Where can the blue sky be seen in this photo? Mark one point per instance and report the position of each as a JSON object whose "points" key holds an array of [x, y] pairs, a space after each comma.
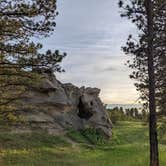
{"points": [[92, 33]]}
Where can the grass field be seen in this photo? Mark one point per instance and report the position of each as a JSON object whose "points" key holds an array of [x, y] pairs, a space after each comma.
{"points": [[129, 147]]}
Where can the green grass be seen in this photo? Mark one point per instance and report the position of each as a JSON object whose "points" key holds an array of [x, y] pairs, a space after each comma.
{"points": [[128, 147]]}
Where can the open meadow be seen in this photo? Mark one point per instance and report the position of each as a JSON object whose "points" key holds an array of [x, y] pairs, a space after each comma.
{"points": [[129, 147]]}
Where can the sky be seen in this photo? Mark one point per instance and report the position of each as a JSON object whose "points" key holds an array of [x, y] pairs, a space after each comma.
{"points": [[92, 32]]}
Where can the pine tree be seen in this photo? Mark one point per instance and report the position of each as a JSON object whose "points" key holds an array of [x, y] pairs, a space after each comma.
{"points": [[145, 52], [20, 58]]}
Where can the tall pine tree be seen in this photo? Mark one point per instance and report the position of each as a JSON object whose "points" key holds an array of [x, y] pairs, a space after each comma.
{"points": [[146, 51]]}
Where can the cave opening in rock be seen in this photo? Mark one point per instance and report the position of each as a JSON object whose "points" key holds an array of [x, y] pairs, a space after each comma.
{"points": [[91, 103], [83, 112]]}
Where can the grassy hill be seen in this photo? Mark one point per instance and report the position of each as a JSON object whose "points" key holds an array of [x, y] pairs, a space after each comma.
{"points": [[129, 147]]}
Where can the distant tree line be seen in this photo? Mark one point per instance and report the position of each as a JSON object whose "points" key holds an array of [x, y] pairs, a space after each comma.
{"points": [[120, 114]]}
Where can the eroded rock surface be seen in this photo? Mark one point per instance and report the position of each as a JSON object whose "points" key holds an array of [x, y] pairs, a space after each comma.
{"points": [[56, 107]]}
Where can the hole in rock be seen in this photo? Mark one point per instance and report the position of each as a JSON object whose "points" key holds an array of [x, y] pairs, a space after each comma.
{"points": [[83, 112]]}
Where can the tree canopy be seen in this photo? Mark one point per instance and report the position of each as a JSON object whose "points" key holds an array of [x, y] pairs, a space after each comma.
{"points": [[20, 57], [136, 46]]}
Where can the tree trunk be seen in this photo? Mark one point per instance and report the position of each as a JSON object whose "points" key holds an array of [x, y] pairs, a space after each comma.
{"points": [[154, 156]]}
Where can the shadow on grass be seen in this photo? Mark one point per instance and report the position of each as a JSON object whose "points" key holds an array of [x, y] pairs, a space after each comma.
{"points": [[30, 140]]}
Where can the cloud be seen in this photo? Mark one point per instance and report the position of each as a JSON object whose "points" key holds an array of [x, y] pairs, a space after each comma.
{"points": [[108, 69], [92, 33]]}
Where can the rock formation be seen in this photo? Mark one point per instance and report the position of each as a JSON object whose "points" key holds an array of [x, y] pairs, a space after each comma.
{"points": [[56, 107]]}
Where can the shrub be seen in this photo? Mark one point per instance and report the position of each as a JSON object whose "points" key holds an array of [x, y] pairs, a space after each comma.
{"points": [[89, 135], [162, 130]]}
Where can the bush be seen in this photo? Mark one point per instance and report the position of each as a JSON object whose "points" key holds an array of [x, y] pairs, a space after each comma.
{"points": [[89, 135], [11, 118], [162, 130], [117, 114]]}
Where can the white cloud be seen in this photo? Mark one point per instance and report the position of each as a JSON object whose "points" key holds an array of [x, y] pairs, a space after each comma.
{"points": [[92, 33]]}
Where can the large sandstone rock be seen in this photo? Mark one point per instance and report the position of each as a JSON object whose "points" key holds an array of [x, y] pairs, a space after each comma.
{"points": [[56, 107]]}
